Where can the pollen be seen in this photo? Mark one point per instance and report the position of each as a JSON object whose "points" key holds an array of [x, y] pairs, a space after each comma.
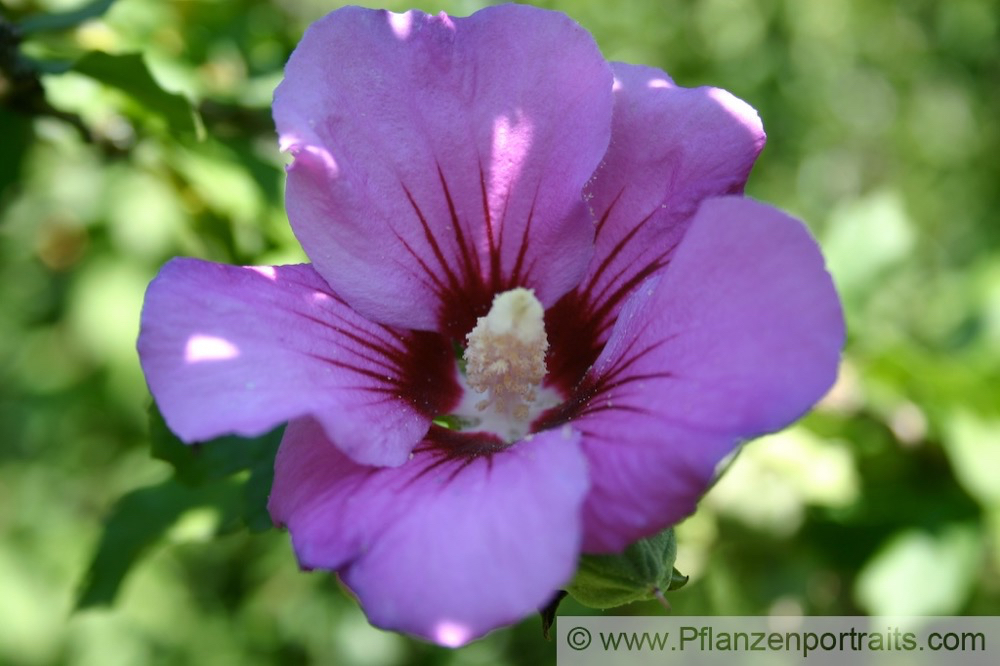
{"points": [[505, 353]]}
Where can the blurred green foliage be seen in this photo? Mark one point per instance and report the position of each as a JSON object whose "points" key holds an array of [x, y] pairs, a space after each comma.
{"points": [[136, 130]]}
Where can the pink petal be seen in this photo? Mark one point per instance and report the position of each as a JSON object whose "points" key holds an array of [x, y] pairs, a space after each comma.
{"points": [[737, 337], [440, 160], [444, 548], [670, 148], [229, 349]]}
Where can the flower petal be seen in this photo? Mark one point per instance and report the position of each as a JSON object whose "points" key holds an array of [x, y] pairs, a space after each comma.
{"points": [[230, 349], [444, 548], [670, 148], [737, 337], [441, 160]]}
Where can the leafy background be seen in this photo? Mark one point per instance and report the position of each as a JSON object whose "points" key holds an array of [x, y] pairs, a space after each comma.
{"points": [[150, 136]]}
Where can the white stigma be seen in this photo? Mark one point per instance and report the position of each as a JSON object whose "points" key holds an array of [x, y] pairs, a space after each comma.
{"points": [[505, 354]]}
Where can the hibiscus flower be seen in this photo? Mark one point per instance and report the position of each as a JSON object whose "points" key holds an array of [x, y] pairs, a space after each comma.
{"points": [[538, 314]]}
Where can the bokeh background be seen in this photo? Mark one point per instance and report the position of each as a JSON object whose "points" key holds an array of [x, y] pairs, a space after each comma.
{"points": [[883, 136]]}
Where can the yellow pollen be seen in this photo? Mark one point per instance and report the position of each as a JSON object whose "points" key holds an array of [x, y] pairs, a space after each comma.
{"points": [[505, 353]]}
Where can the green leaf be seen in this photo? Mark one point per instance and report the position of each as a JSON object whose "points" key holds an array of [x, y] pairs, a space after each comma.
{"points": [[65, 20], [128, 73], [139, 520], [922, 573], [256, 491], [231, 474], [643, 572], [197, 464], [18, 134], [209, 462], [973, 447]]}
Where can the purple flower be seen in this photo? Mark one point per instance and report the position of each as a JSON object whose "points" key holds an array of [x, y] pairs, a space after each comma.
{"points": [[548, 252]]}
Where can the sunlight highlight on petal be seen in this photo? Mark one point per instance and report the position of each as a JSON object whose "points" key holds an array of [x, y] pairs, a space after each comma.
{"points": [[266, 271], [202, 348], [513, 136], [401, 24], [738, 109], [451, 634]]}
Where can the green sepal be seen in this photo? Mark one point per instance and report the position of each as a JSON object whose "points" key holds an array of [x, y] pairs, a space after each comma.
{"points": [[677, 580], [548, 613], [643, 572]]}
